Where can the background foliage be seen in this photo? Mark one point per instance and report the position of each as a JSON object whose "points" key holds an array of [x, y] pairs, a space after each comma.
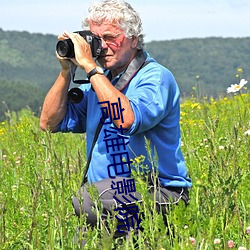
{"points": [[28, 66], [40, 172]]}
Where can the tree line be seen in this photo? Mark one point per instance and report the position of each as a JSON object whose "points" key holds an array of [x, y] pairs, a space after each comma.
{"points": [[202, 67]]}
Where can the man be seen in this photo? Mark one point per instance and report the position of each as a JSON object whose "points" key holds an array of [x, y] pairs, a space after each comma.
{"points": [[148, 99]]}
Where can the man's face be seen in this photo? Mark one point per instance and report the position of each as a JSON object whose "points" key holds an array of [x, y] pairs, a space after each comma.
{"points": [[118, 50]]}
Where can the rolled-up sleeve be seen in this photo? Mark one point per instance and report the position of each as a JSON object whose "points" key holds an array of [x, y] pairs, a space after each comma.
{"points": [[152, 98]]}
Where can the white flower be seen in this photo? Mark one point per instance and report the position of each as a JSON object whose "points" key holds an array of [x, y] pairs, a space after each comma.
{"points": [[242, 248], [246, 133], [237, 87], [22, 210], [217, 241]]}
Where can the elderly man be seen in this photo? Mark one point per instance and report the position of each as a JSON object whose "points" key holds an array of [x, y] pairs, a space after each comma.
{"points": [[136, 99]]}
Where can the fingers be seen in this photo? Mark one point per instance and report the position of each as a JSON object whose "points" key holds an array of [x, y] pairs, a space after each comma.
{"points": [[67, 35], [59, 57], [63, 36], [75, 37], [72, 36], [66, 60]]}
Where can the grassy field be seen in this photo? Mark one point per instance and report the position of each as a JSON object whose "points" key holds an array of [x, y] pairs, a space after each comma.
{"points": [[40, 172]]}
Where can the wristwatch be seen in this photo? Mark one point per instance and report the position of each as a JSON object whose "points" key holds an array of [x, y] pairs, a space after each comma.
{"points": [[96, 70]]}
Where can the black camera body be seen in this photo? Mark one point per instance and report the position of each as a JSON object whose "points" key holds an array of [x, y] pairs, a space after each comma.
{"points": [[65, 48]]}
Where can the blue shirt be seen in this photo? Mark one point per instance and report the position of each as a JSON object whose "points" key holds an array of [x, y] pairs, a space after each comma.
{"points": [[154, 97]]}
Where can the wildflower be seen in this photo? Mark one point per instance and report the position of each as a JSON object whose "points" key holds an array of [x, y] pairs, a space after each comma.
{"points": [[195, 106], [237, 87], [240, 70], [221, 147], [216, 241], [230, 244], [45, 216], [198, 182], [247, 133], [14, 188], [192, 240], [248, 230], [242, 248]]}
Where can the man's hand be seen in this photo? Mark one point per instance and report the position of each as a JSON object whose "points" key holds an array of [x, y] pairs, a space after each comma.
{"points": [[83, 54], [66, 63]]}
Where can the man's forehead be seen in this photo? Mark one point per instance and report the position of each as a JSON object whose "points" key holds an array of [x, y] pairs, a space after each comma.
{"points": [[105, 28]]}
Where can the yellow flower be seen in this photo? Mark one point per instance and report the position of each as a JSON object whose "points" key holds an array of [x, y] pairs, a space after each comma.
{"points": [[240, 70], [195, 105]]}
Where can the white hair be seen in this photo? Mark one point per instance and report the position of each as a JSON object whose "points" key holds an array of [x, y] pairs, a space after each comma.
{"points": [[120, 13]]}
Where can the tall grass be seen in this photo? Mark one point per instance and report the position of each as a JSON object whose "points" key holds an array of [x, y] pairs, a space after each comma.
{"points": [[40, 172]]}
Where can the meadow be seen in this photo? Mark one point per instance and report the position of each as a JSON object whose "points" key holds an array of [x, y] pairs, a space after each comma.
{"points": [[40, 172]]}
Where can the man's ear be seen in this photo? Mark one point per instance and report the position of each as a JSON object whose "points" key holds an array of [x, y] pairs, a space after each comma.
{"points": [[134, 42]]}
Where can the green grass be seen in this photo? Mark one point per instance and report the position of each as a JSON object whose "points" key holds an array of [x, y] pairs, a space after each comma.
{"points": [[40, 172]]}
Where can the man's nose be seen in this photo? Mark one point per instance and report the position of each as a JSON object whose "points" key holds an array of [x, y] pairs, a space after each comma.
{"points": [[104, 44]]}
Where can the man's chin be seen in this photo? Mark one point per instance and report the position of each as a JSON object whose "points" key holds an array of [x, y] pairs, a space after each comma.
{"points": [[105, 63]]}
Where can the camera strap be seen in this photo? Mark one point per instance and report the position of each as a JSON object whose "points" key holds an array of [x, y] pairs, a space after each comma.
{"points": [[136, 64]]}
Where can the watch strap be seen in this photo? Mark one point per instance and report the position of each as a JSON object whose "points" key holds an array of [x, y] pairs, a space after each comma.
{"points": [[93, 72]]}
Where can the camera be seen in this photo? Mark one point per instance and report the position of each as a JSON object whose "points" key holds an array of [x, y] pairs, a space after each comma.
{"points": [[65, 48]]}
